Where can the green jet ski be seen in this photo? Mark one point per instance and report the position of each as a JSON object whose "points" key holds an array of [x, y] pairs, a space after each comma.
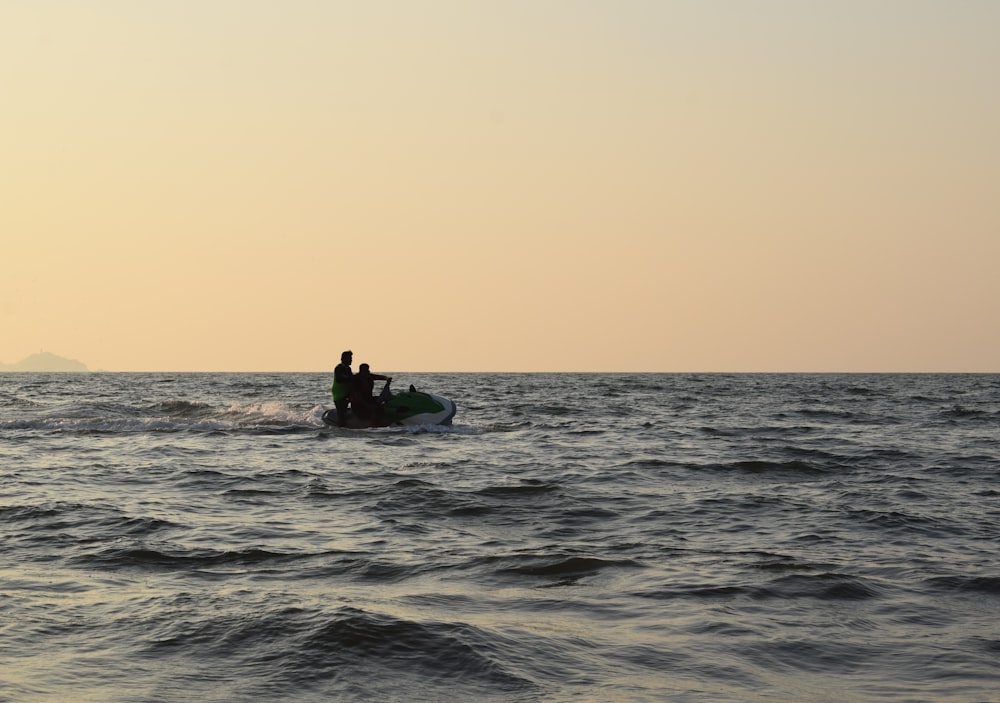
{"points": [[410, 407]]}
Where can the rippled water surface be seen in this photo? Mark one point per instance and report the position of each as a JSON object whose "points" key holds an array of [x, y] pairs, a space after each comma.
{"points": [[649, 537]]}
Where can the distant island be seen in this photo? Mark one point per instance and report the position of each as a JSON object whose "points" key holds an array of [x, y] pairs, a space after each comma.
{"points": [[45, 362]]}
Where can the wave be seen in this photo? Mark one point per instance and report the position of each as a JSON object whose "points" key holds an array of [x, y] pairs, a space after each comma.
{"points": [[760, 466], [186, 560], [824, 586], [323, 651], [889, 522], [178, 415], [173, 416], [527, 489], [546, 570], [960, 412], [989, 585], [85, 520]]}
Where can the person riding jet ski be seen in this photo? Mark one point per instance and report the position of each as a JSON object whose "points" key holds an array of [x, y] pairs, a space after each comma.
{"points": [[363, 402]]}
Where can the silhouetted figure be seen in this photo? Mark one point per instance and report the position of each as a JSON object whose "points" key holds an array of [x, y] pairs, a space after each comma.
{"points": [[362, 397], [343, 377]]}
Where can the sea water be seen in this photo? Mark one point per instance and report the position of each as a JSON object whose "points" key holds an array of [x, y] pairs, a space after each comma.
{"points": [[571, 537]]}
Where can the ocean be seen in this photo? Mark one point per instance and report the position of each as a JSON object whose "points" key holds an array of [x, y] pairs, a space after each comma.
{"points": [[571, 537]]}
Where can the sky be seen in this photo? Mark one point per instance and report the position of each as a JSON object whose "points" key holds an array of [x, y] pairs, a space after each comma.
{"points": [[508, 185]]}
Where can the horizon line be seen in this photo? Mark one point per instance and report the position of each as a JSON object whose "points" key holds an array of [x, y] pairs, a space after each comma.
{"points": [[615, 372]]}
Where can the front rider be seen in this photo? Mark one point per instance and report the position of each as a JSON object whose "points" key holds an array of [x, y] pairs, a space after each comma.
{"points": [[362, 392], [341, 389]]}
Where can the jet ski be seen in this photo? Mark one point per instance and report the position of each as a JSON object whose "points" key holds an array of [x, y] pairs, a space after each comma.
{"points": [[411, 407]]}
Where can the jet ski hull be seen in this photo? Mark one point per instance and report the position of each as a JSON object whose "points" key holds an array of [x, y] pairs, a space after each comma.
{"points": [[413, 408]]}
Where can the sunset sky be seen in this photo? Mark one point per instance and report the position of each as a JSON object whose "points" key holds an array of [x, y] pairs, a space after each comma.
{"points": [[515, 185]]}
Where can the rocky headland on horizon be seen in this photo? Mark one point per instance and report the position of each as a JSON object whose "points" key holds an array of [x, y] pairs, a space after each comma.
{"points": [[44, 362]]}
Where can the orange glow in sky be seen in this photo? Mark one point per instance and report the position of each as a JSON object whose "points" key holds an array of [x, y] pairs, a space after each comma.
{"points": [[445, 185]]}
